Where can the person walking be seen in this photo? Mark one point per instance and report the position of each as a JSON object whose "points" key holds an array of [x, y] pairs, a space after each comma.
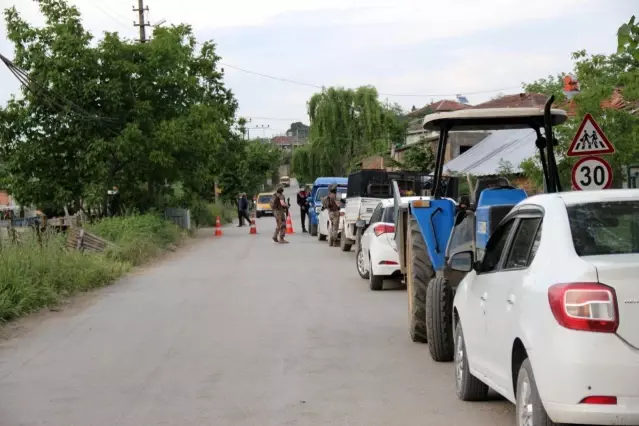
{"points": [[330, 202], [279, 206], [302, 201], [242, 210]]}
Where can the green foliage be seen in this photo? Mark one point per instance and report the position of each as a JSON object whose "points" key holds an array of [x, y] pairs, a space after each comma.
{"points": [[599, 76], [346, 126], [205, 214], [138, 238], [628, 38], [33, 276], [419, 158], [552, 85], [111, 111]]}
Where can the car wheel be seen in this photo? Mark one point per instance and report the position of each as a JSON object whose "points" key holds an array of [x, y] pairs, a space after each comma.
{"points": [[359, 261], [468, 387], [258, 215], [529, 408], [344, 246], [376, 281]]}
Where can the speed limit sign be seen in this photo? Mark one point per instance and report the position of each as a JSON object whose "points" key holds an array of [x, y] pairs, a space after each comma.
{"points": [[591, 173]]}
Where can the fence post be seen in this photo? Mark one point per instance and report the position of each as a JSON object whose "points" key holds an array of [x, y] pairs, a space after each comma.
{"points": [[80, 239]]}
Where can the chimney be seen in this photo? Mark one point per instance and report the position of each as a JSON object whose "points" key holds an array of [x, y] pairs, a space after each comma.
{"points": [[571, 86]]}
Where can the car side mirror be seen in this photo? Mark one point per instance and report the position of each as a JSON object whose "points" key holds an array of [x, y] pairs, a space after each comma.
{"points": [[463, 261]]}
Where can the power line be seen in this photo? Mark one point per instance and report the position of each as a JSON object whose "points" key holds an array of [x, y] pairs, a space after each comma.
{"points": [[316, 86]]}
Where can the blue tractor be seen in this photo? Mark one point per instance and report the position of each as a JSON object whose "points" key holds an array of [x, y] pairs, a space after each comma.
{"points": [[430, 230], [319, 191]]}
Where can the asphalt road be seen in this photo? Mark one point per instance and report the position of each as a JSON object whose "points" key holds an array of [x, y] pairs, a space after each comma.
{"points": [[236, 331]]}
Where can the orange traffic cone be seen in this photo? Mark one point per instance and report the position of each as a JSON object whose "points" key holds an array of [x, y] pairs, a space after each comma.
{"points": [[289, 224], [218, 227], [253, 230]]}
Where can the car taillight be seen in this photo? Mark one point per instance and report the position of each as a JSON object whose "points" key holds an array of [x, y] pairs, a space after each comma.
{"points": [[383, 229], [585, 306], [388, 262], [600, 400]]}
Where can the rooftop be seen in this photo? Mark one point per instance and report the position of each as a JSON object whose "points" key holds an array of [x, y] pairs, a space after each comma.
{"points": [[439, 106], [531, 100]]}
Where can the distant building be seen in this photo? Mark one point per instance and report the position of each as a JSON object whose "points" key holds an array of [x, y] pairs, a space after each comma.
{"points": [[296, 136]]}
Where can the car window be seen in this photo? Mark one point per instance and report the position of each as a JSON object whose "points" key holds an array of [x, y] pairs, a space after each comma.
{"points": [[605, 227], [323, 192], [495, 247], [520, 249], [377, 214], [264, 199]]}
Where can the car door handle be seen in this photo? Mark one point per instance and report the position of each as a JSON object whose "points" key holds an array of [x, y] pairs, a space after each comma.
{"points": [[511, 299], [484, 296]]}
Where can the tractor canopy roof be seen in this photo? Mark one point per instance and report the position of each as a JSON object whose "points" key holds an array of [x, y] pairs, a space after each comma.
{"points": [[492, 119]]}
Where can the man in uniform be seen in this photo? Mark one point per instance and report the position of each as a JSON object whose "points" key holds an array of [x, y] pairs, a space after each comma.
{"points": [[330, 202], [279, 206], [302, 201]]}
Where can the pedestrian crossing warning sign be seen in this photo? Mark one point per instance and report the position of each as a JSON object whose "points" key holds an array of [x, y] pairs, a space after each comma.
{"points": [[590, 140]]}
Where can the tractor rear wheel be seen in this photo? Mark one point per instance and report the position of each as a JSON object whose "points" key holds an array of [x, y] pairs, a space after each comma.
{"points": [[439, 320], [418, 275]]}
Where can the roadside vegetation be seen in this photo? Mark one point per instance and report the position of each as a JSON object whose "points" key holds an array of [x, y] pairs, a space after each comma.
{"points": [[41, 272]]}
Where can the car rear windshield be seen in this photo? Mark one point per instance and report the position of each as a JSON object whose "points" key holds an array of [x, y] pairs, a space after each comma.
{"points": [[264, 199], [323, 192], [605, 227]]}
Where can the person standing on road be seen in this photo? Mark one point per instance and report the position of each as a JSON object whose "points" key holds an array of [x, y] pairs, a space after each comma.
{"points": [[330, 202], [242, 210], [279, 206], [302, 201]]}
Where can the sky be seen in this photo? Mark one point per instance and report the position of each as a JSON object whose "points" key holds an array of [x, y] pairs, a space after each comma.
{"points": [[427, 49]]}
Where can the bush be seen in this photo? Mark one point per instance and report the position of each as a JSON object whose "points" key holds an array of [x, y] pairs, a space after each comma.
{"points": [[34, 275], [138, 238], [204, 214]]}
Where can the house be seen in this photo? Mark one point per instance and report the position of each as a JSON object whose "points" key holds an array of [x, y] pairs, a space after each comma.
{"points": [[458, 142], [296, 136], [505, 150]]}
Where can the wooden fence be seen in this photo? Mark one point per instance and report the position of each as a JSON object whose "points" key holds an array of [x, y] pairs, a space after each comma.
{"points": [[79, 239]]}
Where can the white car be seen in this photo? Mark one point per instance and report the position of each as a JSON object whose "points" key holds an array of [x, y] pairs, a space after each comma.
{"points": [[549, 318], [377, 258], [323, 223]]}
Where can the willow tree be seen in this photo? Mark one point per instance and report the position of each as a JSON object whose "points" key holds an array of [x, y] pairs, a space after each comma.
{"points": [[346, 126]]}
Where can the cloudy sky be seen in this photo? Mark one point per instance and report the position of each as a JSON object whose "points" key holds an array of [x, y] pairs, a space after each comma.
{"points": [[424, 48]]}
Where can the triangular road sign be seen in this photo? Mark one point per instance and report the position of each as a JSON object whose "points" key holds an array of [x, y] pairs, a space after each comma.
{"points": [[589, 140]]}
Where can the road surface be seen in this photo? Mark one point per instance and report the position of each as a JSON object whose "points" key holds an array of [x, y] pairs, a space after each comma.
{"points": [[235, 331]]}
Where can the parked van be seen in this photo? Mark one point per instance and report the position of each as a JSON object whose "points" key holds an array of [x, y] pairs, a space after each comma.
{"points": [[319, 191], [285, 181]]}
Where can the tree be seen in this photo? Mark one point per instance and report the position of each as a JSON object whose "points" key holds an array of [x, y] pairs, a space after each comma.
{"points": [[417, 158], [599, 76], [346, 126], [142, 116]]}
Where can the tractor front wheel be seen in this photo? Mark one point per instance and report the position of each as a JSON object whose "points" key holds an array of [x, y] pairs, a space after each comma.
{"points": [[418, 275], [439, 320]]}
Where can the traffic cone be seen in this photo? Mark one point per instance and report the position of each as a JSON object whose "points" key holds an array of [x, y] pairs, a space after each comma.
{"points": [[289, 224], [218, 227], [253, 230]]}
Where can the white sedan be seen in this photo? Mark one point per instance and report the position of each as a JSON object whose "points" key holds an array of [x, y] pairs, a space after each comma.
{"points": [[377, 258], [549, 318]]}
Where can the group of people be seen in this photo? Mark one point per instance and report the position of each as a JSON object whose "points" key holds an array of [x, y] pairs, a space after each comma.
{"points": [[280, 209]]}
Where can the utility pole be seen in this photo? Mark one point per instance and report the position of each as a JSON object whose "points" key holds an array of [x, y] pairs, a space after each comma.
{"points": [[141, 23]]}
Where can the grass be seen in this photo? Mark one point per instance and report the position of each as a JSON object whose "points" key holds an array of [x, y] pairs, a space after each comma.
{"points": [[34, 275]]}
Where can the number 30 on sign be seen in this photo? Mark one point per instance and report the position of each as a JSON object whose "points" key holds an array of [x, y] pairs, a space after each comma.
{"points": [[591, 173]]}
